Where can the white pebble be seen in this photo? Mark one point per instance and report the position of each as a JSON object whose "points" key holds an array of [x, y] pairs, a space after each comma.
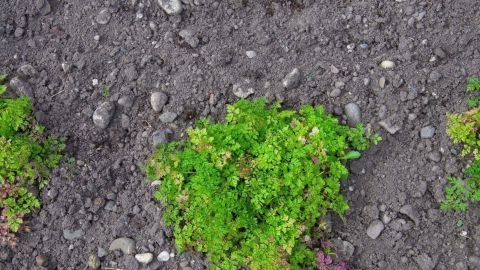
{"points": [[387, 64], [251, 54], [94, 82]]}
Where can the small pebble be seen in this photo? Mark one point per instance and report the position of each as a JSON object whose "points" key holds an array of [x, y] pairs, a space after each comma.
{"points": [[353, 113], [251, 54], [427, 132], [387, 64], [163, 256], [41, 260], [292, 79], [144, 258], [375, 229]]}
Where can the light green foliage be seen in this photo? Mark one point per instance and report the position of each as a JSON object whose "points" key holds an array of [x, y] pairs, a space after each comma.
{"points": [[248, 190], [106, 92], [26, 156], [463, 128]]}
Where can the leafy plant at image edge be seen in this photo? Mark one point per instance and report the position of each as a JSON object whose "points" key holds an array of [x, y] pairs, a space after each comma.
{"points": [[464, 128], [248, 190], [26, 156]]}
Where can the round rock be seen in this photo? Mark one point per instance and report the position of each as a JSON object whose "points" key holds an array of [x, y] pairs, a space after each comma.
{"points": [[163, 256], [353, 113], [292, 79], [103, 115], [103, 16], [375, 229], [41, 260], [144, 258], [93, 262], [126, 245], [387, 64], [158, 100], [171, 7]]}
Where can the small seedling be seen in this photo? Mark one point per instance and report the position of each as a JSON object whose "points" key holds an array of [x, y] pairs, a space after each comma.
{"points": [[106, 92]]}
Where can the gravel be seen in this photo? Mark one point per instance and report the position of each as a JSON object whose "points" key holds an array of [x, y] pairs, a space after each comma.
{"points": [[144, 258], [103, 114], [72, 235], [168, 117], [189, 37], [163, 256], [292, 79], [427, 132], [103, 16], [126, 245], [93, 262], [158, 100], [387, 64], [353, 113], [375, 229], [171, 7]]}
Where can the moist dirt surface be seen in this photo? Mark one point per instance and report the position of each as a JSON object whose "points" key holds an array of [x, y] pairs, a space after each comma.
{"points": [[404, 63]]}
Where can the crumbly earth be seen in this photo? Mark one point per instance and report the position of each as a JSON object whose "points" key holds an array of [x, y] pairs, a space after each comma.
{"points": [[86, 52]]}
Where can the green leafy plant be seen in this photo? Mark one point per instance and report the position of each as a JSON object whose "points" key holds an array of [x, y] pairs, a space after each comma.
{"points": [[26, 156], [106, 92], [463, 129], [247, 191]]}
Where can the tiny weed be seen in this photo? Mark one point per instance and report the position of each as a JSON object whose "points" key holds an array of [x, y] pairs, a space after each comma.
{"points": [[106, 92]]}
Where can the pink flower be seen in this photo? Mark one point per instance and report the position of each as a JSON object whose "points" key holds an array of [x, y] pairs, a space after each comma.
{"points": [[340, 266]]}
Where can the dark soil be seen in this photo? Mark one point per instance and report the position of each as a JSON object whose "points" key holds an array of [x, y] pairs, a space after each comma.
{"points": [[99, 192]]}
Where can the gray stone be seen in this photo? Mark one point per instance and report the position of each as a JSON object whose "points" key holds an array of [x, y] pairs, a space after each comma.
{"points": [[439, 52], [110, 206], [171, 7], [241, 92], [370, 212], [168, 117], [435, 76], [130, 72], [353, 113], [375, 229], [392, 129], [158, 100], [103, 115], [427, 132], [26, 71], [101, 252], [251, 54], [189, 37], [125, 120], [292, 79], [144, 258], [435, 156], [18, 32], [411, 213], [43, 7], [103, 16], [161, 136], [21, 88], [93, 262], [126, 102], [72, 235], [424, 262], [126, 245], [163, 256], [335, 92], [344, 249]]}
